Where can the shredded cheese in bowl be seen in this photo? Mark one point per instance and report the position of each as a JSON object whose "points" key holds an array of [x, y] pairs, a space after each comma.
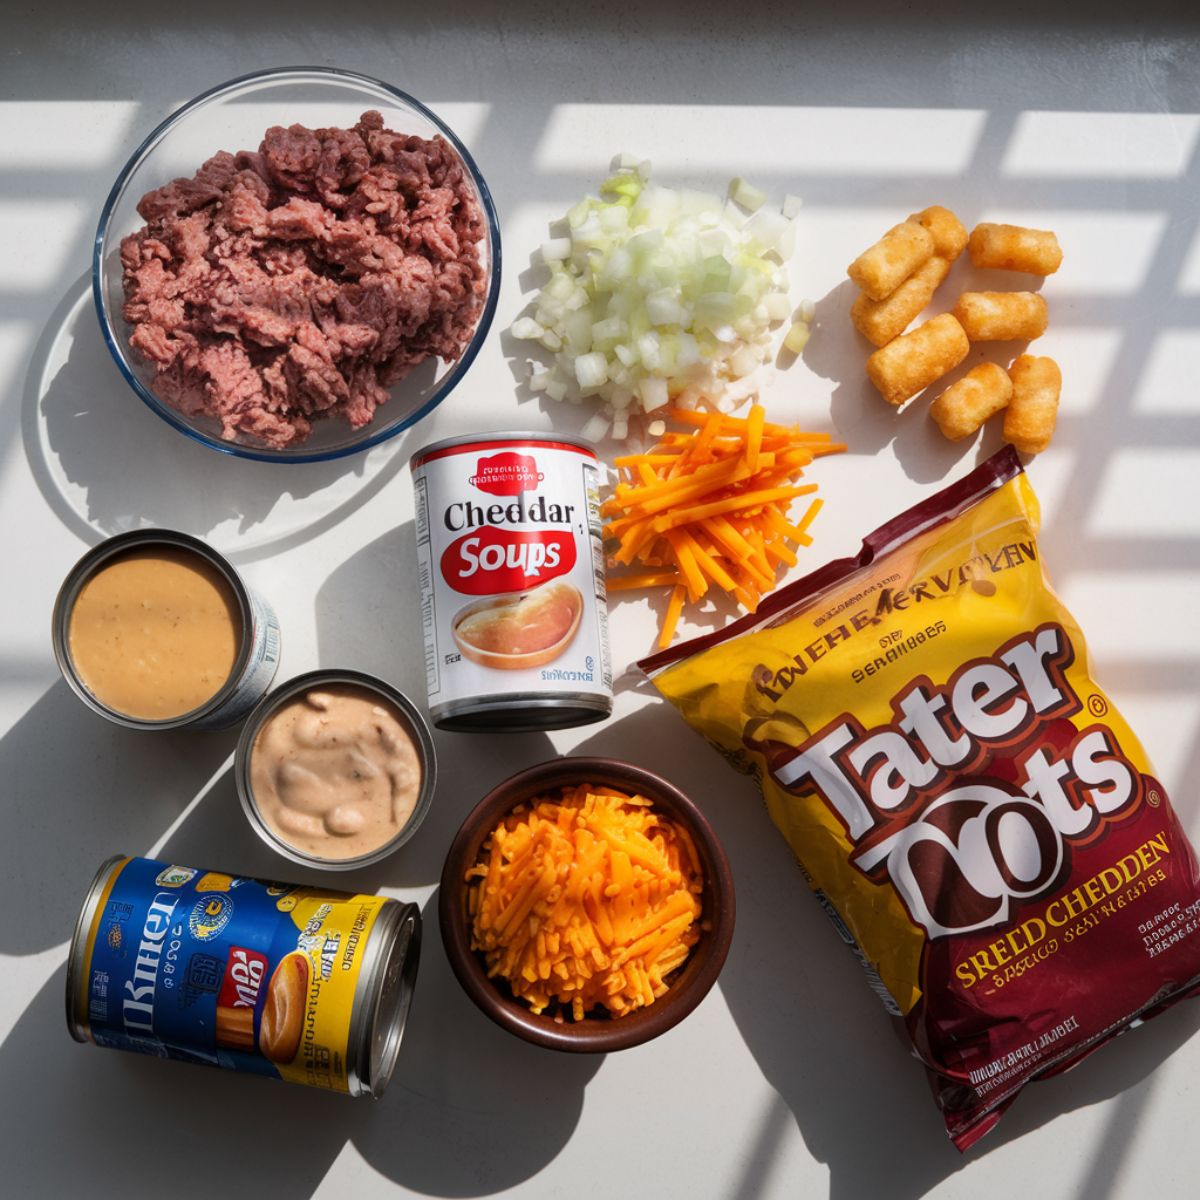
{"points": [[585, 900]]}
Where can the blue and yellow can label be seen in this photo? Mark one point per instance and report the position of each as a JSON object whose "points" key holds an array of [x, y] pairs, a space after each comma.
{"points": [[207, 967]]}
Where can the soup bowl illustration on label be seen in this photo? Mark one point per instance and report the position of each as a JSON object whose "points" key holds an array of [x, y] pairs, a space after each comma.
{"points": [[528, 629]]}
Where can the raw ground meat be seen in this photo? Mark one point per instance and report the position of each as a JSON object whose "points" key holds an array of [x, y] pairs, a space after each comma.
{"points": [[298, 282]]}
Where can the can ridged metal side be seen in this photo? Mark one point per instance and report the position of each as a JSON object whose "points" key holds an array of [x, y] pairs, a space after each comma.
{"points": [[259, 638], [373, 1024], [505, 520], [270, 704]]}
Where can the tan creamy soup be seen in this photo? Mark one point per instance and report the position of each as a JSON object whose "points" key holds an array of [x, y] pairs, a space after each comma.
{"points": [[336, 772], [155, 633]]}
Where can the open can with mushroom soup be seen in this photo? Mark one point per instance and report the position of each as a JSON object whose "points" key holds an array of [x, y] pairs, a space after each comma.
{"points": [[335, 769], [153, 629], [511, 561], [296, 983]]}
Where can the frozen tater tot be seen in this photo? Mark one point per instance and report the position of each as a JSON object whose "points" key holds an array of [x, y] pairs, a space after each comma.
{"points": [[883, 267], [1001, 316], [879, 321], [1033, 409], [948, 232], [911, 363], [982, 392], [1015, 248]]}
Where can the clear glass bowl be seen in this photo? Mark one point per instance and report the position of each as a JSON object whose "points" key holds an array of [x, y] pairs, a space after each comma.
{"points": [[233, 117]]}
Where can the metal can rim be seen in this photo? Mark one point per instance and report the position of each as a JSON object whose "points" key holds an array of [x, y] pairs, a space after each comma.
{"points": [[376, 1003], [445, 715], [88, 565], [263, 710], [420, 457], [76, 1024]]}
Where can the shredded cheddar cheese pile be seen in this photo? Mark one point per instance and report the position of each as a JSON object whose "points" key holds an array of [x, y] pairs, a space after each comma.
{"points": [[711, 505], [586, 899]]}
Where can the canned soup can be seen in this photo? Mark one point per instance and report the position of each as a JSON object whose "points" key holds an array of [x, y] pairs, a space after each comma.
{"points": [[371, 776], [511, 561], [295, 983], [153, 629]]}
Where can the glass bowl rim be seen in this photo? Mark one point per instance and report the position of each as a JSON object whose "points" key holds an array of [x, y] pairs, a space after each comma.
{"points": [[235, 449]]}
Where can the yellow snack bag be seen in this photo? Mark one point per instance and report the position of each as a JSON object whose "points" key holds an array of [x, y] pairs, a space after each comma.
{"points": [[959, 792]]}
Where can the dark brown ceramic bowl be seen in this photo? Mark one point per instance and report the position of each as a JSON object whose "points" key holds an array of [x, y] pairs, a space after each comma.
{"points": [[593, 1035]]}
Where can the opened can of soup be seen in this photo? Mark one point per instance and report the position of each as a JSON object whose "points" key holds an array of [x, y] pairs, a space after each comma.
{"points": [[154, 629], [511, 561], [335, 769], [296, 983]]}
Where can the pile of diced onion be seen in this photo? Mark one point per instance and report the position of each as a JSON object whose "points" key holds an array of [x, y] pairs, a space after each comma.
{"points": [[661, 295]]}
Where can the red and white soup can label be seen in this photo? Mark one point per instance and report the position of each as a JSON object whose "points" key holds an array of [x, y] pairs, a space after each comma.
{"points": [[511, 562]]}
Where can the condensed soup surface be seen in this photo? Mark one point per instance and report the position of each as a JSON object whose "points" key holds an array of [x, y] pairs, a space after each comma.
{"points": [[335, 772], [155, 633]]}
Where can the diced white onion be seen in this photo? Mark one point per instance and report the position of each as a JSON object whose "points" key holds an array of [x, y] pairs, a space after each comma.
{"points": [[578, 213], [747, 195], [526, 328], [713, 243], [654, 393], [786, 245], [591, 370], [614, 219], [663, 309], [556, 249], [576, 300], [743, 361], [657, 292], [539, 380], [768, 228], [732, 215], [609, 330], [792, 206], [797, 337]]}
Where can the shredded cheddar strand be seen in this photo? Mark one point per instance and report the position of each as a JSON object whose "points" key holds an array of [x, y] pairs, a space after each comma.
{"points": [[710, 506], [671, 619], [754, 436], [644, 579], [587, 900]]}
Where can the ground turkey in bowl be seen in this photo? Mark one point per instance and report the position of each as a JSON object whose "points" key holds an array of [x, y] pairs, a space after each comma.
{"points": [[299, 282]]}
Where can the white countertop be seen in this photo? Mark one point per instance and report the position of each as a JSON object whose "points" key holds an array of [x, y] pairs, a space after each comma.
{"points": [[787, 1081]]}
